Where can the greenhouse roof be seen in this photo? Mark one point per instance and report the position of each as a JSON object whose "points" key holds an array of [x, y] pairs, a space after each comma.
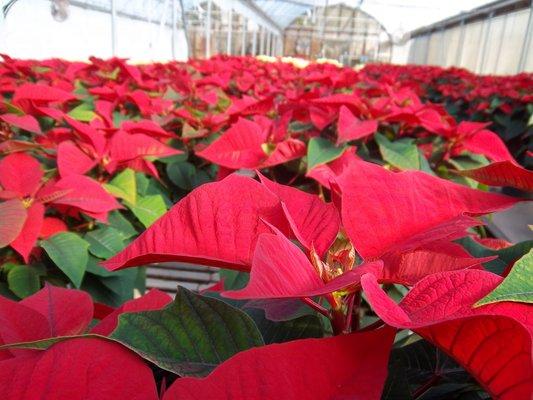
{"points": [[397, 16]]}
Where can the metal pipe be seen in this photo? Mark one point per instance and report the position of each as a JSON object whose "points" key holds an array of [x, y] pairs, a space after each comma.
{"points": [[527, 40], [243, 41], [113, 28], [459, 54], [500, 44], [262, 47], [185, 28], [269, 44], [208, 29], [254, 42], [484, 45], [323, 29], [174, 27], [230, 31]]}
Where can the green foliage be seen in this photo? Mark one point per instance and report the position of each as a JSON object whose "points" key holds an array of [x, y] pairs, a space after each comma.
{"points": [[23, 280], [105, 242], [70, 253], [401, 153], [148, 208], [191, 336], [517, 286], [321, 151], [505, 256], [186, 176]]}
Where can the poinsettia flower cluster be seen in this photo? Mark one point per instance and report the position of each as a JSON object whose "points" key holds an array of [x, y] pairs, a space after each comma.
{"points": [[367, 186], [295, 245]]}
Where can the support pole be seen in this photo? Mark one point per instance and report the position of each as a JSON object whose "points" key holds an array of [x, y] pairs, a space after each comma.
{"points": [[527, 40], [208, 29], [230, 31], [174, 27], [444, 47], [269, 43], [484, 45], [243, 41], [254, 41], [323, 29], [500, 44], [262, 47], [426, 50], [459, 54], [113, 28]]}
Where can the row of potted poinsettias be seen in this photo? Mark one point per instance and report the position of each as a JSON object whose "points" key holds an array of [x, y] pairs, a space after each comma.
{"points": [[354, 264]]}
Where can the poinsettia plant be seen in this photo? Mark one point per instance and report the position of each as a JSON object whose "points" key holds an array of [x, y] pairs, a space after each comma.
{"points": [[315, 270], [344, 209]]}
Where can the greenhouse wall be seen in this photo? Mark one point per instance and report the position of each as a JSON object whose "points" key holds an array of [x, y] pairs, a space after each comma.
{"points": [[83, 33], [494, 44]]}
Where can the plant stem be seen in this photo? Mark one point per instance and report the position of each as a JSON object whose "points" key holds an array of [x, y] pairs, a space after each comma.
{"points": [[426, 386], [373, 325], [350, 300], [338, 321], [317, 307], [355, 311]]}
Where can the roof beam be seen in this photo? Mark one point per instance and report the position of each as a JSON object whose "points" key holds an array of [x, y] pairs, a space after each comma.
{"points": [[249, 9]]}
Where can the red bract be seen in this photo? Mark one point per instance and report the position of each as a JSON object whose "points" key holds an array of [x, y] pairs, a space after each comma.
{"points": [[280, 269], [349, 366], [153, 300], [246, 145], [79, 369], [327, 238], [502, 173], [314, 223], [21, 178], [492, 342], [473, 137], [352, 128], [213, 225], [398, 206], [26, 122], [122, 148], [51, 312]]}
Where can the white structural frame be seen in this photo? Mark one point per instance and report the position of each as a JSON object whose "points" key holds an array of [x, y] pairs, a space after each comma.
{"points": [[486, 16]]}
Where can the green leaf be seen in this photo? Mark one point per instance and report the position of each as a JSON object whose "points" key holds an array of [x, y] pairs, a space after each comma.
{"points": [[464, 162], [70, 253], [517, 286], [304, 327], [5, 292], [505, 256], [124, 185], [147, 186], [424, 164], [469, 161], [148, 208], [191, 336], [413, 365], [84, 112], [122, 283], [13, 109], [105, 242], [302, 324], [186, 176], [100, 293], [43, 344], [321, 151], [402, 153], [23, 280], [124, 227], [234, 280]]}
